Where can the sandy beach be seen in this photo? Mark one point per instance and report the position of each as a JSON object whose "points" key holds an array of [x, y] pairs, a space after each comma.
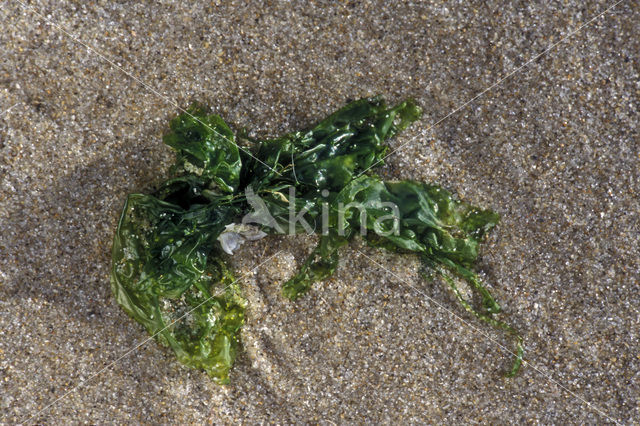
{"points": [[530, 109]]}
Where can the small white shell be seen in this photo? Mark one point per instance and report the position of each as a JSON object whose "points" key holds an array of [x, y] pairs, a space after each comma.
{"points": [[235, 234]]}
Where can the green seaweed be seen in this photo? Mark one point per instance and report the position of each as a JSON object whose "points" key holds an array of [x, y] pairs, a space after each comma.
{"points": [[169, 267]]}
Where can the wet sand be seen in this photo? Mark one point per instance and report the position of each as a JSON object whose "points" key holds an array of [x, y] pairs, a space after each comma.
{"points": [[554, 149]]}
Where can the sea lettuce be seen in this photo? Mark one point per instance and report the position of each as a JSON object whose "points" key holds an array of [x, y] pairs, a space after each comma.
{"points": [[170, 253]]}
